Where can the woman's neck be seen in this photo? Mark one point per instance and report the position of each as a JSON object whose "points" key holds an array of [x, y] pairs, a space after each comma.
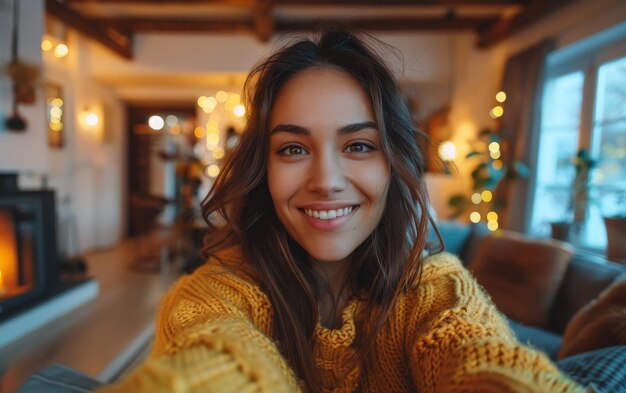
{"points": [[334, 295]]}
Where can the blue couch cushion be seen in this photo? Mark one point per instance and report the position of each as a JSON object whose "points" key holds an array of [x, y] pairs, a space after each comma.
{"points": [[534, 337], [603, 369]]}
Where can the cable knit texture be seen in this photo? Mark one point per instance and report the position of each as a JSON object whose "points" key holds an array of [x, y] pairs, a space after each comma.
{"points": [[444, 335]]}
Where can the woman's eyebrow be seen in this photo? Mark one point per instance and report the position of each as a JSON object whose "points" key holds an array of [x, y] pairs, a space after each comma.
{"points": [[347, 129]]}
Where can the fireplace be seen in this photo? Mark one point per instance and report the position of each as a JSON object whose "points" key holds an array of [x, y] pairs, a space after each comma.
{"points": [[29, 267]]}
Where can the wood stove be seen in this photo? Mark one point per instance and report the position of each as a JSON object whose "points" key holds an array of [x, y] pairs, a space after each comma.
{"points": [[29, 264]]}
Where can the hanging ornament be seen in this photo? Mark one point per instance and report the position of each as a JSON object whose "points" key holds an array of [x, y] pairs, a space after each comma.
{"points": [[24, 77]]}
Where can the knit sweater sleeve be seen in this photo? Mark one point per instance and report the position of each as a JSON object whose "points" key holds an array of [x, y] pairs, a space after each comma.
{"points": [[212, 336], [461, 343]]}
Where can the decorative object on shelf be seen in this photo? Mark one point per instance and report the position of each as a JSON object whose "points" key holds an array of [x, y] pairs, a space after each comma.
{"points": [[23, 76], [54, 115]]}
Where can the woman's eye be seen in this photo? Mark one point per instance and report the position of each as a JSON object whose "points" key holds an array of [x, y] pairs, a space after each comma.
{"points": [[359, 148], [292, 150]]}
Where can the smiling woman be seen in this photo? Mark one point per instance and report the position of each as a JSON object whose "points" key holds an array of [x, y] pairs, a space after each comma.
{"points": [[318, 280]]}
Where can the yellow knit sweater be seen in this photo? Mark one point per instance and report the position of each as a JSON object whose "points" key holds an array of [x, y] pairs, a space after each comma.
{"points": [[444, 335]]}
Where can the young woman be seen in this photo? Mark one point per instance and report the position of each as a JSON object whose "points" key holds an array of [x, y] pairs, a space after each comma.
{"points": [[318, 281]]}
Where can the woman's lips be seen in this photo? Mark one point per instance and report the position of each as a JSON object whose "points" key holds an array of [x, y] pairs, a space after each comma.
{"points": [[328, 219]]}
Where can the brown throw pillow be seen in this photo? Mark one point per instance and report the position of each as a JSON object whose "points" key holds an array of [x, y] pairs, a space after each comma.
{"points": [[522, 275], [600, 323]]}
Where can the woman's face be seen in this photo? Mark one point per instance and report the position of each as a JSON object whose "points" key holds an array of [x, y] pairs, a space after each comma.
{"points": [[327, 174]]}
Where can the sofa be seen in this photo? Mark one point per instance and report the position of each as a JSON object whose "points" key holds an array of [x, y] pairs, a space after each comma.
{"points": [[586, 276]]}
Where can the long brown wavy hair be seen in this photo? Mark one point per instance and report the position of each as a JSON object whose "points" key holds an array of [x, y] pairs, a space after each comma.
{"points": [[387, 263]]}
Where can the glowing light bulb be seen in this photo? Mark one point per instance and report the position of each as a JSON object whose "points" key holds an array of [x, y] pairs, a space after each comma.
{"points": [[213, 170], [46, 45], [61, 50], [475, 217], [476, 198], [91, 119], [239, 110], [156, 122], [447, 151]]}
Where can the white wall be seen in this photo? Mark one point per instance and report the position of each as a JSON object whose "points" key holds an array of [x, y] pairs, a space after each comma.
{"points": [[88, 172], [26, 150]]}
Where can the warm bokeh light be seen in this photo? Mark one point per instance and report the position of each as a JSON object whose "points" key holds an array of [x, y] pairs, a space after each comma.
{"points": [[475, 217], [56, 112], [486, 196], [447, 151], [55, 125], [492, 225], [218, 153], [212, 139], [221, 96], [202, 101], [495, 154], [492, 216], [494, 146], [46, 45], [198, 132], [497, 111], [156, 122], [175, 129], [501, 96], [56, 102], [497, 164], [213, 170], [61, 50], [239, 110], [476, 198], [171, 120]]}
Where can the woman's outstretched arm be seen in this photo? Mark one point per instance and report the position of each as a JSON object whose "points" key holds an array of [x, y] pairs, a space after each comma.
{"points": [[212, 336], [462, 343]]}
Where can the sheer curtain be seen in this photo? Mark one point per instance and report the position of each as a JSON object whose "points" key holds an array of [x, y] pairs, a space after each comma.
{"points": [[522, 82]]}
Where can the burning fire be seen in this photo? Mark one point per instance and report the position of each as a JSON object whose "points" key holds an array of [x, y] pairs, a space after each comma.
{"points": [[8, 252]]}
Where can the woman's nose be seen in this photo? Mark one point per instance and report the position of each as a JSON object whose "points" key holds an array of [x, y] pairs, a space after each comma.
{"points": [[327, 175]]}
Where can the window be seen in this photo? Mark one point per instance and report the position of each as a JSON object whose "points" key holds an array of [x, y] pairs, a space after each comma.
{"points": [[583, 107]]}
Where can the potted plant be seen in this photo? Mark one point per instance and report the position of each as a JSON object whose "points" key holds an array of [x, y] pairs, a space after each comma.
{"points": [[491, 168], [575, 198]]}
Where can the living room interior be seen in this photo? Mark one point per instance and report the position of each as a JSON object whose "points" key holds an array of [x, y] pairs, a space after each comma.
{"points": [[115, 117]]}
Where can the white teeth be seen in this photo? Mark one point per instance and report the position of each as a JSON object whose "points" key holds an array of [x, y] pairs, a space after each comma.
{"points": [[328, 214]]}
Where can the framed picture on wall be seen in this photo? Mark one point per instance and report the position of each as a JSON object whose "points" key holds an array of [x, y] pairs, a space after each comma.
{"points": [[55, 108]]}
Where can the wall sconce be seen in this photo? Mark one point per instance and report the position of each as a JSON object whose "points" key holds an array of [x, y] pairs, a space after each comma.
{"points": [[89, 118]]}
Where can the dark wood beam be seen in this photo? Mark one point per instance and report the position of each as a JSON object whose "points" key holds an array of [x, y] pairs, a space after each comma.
{"points": [[263, 20], [387, 24], [320, 2], [507, 26], [186, 25], [281, 25], [109, 35]]}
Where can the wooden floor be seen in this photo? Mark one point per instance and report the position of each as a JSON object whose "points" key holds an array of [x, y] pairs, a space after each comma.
{"points": [[103, 331]]}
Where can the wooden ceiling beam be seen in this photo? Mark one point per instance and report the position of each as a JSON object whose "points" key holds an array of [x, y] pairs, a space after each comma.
{"points": [[263, 20], [507, 26], [389, 24], [311, 3], [282, 25], [109, 35]]}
